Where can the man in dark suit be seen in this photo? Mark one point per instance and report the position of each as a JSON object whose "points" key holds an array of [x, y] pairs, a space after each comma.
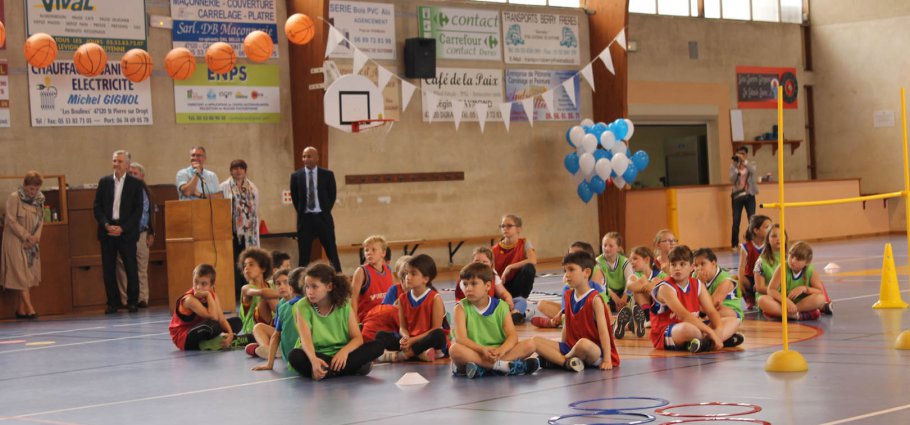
{"points": [[118, 209], [313, 193]]}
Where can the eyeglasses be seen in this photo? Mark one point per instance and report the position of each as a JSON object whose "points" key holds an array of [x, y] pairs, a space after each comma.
{"points": [[668, 241], [507, 226]]}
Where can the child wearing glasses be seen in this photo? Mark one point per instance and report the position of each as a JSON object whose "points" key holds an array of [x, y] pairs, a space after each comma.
{"points": [[514, 259]]}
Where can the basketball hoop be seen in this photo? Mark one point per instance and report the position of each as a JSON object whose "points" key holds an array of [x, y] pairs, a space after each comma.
{"points": [[366, 125]]}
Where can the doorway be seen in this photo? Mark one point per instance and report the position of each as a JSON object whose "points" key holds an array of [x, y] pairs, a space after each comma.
{"points": [[678, 153]]}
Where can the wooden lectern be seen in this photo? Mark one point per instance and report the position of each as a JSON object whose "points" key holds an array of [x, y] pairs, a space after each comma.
{"points": [[199, 231]]}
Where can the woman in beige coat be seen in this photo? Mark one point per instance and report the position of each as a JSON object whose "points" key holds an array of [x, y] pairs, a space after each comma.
{"points": [[20, 263]]}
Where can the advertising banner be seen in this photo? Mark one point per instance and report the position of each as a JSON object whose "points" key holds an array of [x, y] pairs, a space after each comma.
{"points": [[247, 94], [756, 87], [524, 83], [198, 24], [470, 86], [4, 93], [369, 26], [540, 38], [117, 25], [472, 34]]}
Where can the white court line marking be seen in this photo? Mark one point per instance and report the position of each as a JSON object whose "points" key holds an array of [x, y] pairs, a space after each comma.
{"points": [[863, 296], [868, 415], [94, 328], [81, 343], [157, 397]]}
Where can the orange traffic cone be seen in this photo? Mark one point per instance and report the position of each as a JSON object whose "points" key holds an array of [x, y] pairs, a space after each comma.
{"points": [[889, 294]]}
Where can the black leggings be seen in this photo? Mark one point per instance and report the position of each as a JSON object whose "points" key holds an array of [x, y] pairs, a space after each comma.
{"points": [[434, 339], [356, 359], [208, 330], [522, 281]]}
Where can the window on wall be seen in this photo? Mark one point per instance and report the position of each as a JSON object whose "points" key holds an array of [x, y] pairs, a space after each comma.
{"points": [[787, 11], [556, 3]]}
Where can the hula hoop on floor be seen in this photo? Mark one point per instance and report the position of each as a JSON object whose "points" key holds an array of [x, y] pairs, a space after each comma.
{"points": [[645, 418], [659, 403], [665, 410], [682, 421]]}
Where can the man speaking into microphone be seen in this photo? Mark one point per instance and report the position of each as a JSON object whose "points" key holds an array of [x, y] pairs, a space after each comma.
{"points": [[195, 182]]}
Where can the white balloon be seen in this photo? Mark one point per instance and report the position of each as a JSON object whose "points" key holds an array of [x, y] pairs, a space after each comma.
{"points": [[578, 178], [619, 147], [587, 122], [607, 140], [586, 164], [603, 167], [620, 162], [575, 135], [619, 182], [631, 129], [589, 142]]}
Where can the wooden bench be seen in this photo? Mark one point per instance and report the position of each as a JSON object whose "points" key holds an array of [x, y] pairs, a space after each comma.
{"points": [[409, 246]]}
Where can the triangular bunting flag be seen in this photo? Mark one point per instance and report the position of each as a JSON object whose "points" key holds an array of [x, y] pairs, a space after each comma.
{"points": [[589, 76], [528, 104], [457, 110], [569, 87], [506, 110], [384, 76], [481, 109], [407, 90], [607, 59], [548, 99], [335, 37], [621, 39], [432, 102], [359, 60]]}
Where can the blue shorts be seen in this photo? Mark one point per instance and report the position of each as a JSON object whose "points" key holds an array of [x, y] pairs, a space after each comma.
{"points": [[564, 349], [669, 344]]}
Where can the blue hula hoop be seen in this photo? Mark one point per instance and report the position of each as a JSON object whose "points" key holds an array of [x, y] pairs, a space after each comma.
{"points": [[660, 403], [646, 418]]}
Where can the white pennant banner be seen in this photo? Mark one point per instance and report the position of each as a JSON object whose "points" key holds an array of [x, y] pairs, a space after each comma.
{"points": [[506, 110], [548, 99], [360, 59], [589, 76], [607, 59], [569, 87], [481, 109], [621, 39], [407, 90], [528, 104], [457, 111], [384, 77], [335, 37], [432, 100]]}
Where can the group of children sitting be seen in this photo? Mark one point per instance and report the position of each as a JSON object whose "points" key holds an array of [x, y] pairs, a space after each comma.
{"points": [[324, 325]]}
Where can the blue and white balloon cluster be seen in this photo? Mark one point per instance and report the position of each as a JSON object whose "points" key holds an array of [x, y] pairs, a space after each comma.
{"points": [[594, 167]]}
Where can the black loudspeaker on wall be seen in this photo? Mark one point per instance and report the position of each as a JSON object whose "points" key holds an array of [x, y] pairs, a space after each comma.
{"points": [[420, 58]]}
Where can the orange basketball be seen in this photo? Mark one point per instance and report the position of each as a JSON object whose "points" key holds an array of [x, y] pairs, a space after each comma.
{"points": [[40, 50], [299, 29], [220, 57], [136, 65], [180, 63], [90, 59], [2, 34], [258, 46]]}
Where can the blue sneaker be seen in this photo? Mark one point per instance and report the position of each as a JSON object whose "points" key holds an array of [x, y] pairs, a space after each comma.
{"points": [[518, 367], [473, 370]]}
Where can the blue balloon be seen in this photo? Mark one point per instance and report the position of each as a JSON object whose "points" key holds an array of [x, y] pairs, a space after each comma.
{"points": [[620, 129], [598, 129], [571, 163], [597, 184], [630, 174], [600, 154], [584, 192], [569, 139], [609, 154], [641, 160]]}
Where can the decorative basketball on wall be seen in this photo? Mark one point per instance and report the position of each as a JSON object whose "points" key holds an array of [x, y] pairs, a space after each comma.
{"points": [[2, 34], [90, 60], [299, 29], [220, 57], [180, 63], [40, 50], [258, 46], [136, 65]]}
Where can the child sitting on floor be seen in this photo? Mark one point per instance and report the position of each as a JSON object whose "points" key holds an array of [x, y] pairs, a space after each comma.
{"points": [[514, 259], [586, 334], [371, 280], [485, 337], [198, 320], [645, 275], [257, 300], [805, 293], [678, 300], [283, 336], [723, 289], [552, 310]]}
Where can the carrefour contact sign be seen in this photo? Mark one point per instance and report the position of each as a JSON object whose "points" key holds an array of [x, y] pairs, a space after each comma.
{"points": [[472, 34], [60, 97]]}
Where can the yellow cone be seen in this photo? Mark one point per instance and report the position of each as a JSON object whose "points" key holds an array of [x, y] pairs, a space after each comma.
{"points": [[889, 294]]}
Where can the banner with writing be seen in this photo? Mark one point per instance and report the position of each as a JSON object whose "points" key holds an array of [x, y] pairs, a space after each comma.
{"points": [[756, 87], [60, 97], [540, 38], [369, 26], [247, 94], [470, 86], [117, 25], [198, 24], [4, 93], [524, 83], [472, 34]]}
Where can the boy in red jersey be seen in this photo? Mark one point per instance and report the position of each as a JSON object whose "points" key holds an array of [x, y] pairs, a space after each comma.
{"points": [[586, 334], [373, 279], [677, 302], [514, 259], [198, 320]]}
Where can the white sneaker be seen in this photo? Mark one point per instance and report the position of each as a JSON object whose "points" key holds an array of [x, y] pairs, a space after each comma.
{"points": [[427, 356], [389, 357], [262, 352]]}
